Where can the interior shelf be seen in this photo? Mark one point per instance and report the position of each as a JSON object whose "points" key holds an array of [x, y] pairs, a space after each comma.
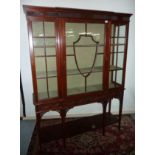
{"points": [[44, 95], [73, 54], [42, 74], [77, 90], [90, 45], [91, 88], [50, 74], [117, 37], [117, 44], [45, 56], [44, 36]]}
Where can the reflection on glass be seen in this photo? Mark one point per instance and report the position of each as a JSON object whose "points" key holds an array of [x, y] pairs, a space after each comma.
{"points": [[97, 31]]}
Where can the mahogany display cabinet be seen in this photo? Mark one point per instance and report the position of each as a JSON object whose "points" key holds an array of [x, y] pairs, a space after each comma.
{"points": [[78, 57]]}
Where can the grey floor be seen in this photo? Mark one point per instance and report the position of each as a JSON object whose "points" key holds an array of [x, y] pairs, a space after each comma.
{"points": [[26, 129]]}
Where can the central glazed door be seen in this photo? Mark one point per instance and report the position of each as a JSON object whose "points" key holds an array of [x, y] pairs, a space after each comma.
{"points": [[84, 44]]}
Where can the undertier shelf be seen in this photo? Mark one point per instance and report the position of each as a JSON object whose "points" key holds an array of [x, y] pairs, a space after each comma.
{"points": [[51, 128]]}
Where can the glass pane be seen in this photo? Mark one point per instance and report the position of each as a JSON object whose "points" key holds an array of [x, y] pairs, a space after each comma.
{"points": [[39, 51], [71, 63], [42, 88], [84, 57], [49, 29], [69, 50], [94, 82], [97, 31], [120, 60], [50, 51], [99, 61], [100, 49], [49, 41], [73, 30], [40, 64], [122, 30], [119, 77], [121, 48], [37, 29], [121, 40], [51, 64], [117, 59], [38, 42], [52, 86], [75, 84]]}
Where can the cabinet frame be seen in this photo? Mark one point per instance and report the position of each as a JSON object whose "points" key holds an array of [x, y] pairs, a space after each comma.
{"points": [[63, 103]]}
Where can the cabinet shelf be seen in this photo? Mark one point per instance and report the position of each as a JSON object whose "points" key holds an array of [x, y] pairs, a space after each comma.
{"points": [[44, 36], [72, 91], [46, 46], [118, 52], [117, 44], [51, 74], [78, 90], [91, 88], [73, 54], [90, 45], [38, 56], [44, 95], [118, 37]]}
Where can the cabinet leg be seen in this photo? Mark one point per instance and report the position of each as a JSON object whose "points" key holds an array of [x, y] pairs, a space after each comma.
{"points": [[104, 105], [38, 122], [109, 107], [120, 111], [63, 118]]}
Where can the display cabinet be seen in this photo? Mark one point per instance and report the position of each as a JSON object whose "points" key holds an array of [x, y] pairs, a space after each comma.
{"points": [[77, 57]]}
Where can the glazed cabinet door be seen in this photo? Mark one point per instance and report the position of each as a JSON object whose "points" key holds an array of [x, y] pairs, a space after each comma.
{"points": [[118, 54], [44, 58], [84, 44]]}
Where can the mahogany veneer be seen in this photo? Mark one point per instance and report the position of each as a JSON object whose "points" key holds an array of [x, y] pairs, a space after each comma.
{"points": [[53, 33]]}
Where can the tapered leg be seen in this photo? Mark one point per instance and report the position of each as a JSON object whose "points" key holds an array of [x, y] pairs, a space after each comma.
{"points": [[109, 107], [120, 111], [38, 122], [104, 105], [63, 117]]}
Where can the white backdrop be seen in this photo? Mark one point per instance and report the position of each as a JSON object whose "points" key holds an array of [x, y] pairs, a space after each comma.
{"points": [[125, 6]]}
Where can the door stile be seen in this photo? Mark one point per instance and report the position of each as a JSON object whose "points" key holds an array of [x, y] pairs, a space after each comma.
{"points": [[33, 68], [125, 53], [107, 55], [62, 56]]}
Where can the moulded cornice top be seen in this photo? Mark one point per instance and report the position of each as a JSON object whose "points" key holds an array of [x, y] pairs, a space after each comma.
{"points": [[29, 8]]}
